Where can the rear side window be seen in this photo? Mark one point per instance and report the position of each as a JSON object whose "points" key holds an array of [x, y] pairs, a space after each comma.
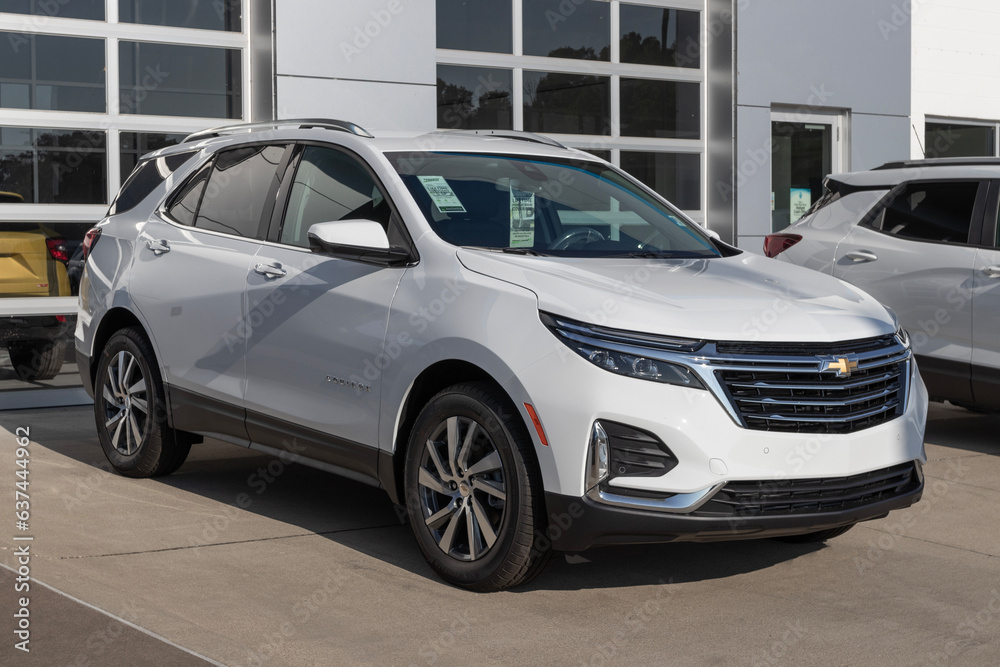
{"points": [[146, 176], [233, 193], [939, 212]]}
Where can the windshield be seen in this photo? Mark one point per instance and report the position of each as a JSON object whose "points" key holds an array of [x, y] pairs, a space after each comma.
{"points": [[546, 206]]}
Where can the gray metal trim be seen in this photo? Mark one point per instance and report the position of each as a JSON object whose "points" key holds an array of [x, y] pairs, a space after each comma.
{"points": [[681, 503]]}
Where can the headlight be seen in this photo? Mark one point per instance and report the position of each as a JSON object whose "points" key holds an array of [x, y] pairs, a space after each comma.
{"points": [[637, 355], [903, 337]]}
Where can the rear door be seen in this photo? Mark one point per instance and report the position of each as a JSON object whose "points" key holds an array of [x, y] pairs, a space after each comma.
{"points": [[913, 254], [986, 310], [188, 281], [315, 351]]}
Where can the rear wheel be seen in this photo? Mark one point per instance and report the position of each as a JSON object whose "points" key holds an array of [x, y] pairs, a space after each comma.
{"points": [[35, 360], [818, 536], [130, 410], [473, 490]]}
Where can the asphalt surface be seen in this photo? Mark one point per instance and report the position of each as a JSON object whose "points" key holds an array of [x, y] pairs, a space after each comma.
{"points": [[310, 569]]}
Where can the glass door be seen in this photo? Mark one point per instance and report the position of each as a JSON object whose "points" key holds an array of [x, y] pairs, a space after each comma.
{"points": [[804, 149]]}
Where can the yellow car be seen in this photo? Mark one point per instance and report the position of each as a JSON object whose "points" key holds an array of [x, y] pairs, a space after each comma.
{"points": [[33, 264]]}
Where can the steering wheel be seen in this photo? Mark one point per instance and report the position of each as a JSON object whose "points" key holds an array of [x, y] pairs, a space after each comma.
{"points": [[586, 234]]}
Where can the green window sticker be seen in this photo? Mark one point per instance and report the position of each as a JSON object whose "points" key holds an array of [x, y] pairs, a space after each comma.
{"points": [[441, 194], [522, 218]]}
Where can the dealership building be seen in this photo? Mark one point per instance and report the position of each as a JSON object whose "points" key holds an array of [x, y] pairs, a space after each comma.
{"points": [[734, 110]]}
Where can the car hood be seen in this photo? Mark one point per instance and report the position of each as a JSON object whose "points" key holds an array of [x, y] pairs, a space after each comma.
{"points": [[740, 298]]}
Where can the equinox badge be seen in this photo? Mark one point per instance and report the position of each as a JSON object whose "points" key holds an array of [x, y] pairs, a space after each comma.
{"points": [[843, 365]]}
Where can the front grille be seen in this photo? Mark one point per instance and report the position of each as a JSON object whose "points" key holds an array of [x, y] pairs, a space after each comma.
{"points": [[811, 496], [783, 387]]}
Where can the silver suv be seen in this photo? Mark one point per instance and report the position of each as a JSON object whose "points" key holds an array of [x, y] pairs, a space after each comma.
{"points": [[923, 238], [520, 343]]}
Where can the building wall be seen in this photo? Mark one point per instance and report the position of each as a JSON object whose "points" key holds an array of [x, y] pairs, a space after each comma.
{"points": [[956, 61], [368, 61], [815, 56]]}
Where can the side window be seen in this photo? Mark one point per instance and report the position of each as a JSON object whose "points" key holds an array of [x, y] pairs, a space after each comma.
{"points": [[185, 205], [940, 212], [147, 175], [238, 190], [330, 186]]}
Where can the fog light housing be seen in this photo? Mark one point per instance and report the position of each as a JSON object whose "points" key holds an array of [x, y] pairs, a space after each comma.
{"points": [[600, 456]]}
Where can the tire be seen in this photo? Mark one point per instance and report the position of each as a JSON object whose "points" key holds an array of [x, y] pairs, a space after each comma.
{"points": [[130, 410], [488, 486], [36, 360], [818, 536]]}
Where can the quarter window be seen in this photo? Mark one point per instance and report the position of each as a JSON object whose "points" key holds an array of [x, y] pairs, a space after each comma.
{"points": [[146, 178], [940, 212], [330, 186]]}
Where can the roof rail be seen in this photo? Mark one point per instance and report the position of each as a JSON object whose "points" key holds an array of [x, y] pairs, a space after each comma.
{"points": [[942, 162], [297, 123], [519, 135]]}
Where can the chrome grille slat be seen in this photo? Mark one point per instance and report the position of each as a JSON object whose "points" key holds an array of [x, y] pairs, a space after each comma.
{"points": [[793, 394]]}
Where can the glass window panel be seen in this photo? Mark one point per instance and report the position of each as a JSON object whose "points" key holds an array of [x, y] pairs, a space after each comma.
{"points": [[149, 175], [955, 140], [214, 15], [474, 98], [676, 176], [54, 166], [330, 186], [656, 36], [133, 145], [566, 103], [940, 212], [562, 29], [51, 72], [184, 207], [66, 9], [475, 25], [174, 80], [665, 109], [238, 189]]}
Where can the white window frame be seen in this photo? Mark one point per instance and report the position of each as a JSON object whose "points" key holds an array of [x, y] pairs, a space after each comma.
{"points": [[615, 70]]}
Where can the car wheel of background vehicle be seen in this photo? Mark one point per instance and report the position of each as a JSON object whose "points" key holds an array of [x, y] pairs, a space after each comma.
{"points": [[473, 490], [130, 410], [818, 536], [36, 360]]}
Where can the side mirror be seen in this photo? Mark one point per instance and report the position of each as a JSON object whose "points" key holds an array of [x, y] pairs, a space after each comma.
{"points": [[358, 240]]}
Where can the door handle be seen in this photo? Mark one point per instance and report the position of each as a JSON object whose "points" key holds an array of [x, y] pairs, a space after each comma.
{"points": [[992, 271], [862, 256], [270, 270], [158, 247]]}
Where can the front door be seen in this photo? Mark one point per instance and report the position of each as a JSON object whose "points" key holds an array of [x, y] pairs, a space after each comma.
{"points": [[315, 351]]}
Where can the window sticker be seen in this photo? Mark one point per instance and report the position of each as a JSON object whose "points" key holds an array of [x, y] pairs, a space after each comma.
{"points": [[522, 218], [441, 194]]}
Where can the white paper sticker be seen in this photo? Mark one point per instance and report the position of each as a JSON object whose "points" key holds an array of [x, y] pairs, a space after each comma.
{"points": [[441, 194], [522, 218], [801, 201]]}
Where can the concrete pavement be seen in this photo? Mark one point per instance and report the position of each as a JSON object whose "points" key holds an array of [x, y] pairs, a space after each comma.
{"points": [[246, 561]]}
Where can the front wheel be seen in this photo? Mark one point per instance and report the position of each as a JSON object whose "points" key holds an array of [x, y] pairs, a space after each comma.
{"points": [[473, 490], [130, 410]]}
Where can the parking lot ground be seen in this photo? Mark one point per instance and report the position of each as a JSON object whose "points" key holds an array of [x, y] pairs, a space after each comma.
{"points": [[248, 561]]}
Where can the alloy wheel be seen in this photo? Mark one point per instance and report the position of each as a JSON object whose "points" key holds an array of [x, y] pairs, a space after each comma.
{"points": [[462, 491], [126, 407]]}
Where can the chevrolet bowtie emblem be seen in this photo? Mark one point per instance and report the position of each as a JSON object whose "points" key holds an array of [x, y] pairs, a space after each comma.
{"points": [[842, 365]]}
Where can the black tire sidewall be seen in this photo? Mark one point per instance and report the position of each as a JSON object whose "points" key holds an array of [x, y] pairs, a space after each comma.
{"points": [[458, 404]]}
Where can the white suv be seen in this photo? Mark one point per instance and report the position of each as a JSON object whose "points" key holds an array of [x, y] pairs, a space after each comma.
{"points": [[517, 341]]}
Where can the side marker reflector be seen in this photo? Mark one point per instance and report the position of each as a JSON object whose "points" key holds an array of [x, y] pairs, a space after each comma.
{"points": [[537, 423]]}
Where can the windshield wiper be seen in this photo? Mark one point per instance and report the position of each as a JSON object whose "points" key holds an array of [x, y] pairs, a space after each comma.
{"points": [[510, 251], [666, 254]]}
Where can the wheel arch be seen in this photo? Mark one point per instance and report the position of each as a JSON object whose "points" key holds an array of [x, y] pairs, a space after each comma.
{"points": [[114, 320], [430, 381]]}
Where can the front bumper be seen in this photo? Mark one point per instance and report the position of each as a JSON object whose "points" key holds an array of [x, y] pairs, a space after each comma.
{"points": [[576, 524]]}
